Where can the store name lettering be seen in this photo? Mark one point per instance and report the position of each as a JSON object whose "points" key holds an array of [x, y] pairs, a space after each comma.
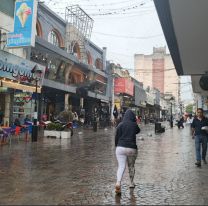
{"points": [[15, 70]]}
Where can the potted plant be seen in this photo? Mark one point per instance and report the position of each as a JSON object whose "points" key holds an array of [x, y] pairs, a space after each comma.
{"points": [[56, 130], [51, 130]]}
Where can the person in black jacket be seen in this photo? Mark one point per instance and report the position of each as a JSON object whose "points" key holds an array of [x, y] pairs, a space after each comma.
{"points": [[126, 148], [199, 133]]}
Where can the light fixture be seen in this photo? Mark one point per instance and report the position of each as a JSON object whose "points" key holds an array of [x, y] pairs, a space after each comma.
{"points": [[203, 82]]}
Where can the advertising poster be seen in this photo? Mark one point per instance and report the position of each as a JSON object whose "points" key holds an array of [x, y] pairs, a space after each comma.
{"points": [[25, 15]]}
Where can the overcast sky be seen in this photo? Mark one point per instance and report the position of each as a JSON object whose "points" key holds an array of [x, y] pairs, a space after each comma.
{"points": [[125, 27]]}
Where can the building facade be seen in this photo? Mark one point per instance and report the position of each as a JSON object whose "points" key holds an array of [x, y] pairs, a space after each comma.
{"points": [[74, 77], [157, 71]]}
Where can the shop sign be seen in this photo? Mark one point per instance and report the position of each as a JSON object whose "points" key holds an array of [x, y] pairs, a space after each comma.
{"points": [[150, 99], [123, 85], [25, 15], [15, 68]]}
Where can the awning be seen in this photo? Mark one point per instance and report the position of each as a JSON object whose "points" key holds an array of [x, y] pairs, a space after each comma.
{"points": [[16, 85], [184, 24]]}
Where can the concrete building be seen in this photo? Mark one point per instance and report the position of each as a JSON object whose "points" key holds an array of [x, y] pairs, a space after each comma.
{"points": [[75, 74], [157, 71], [186, 37], [10, 104]]}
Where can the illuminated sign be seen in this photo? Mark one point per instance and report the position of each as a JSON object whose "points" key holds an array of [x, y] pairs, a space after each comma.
{"points": [[15, 68]]}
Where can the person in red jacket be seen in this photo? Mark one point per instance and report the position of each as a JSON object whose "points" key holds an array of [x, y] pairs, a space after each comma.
{"points": [[126, 148]]}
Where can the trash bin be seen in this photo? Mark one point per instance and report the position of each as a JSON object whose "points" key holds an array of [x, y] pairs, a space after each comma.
{"points": [[95, 126], [157, 127]]}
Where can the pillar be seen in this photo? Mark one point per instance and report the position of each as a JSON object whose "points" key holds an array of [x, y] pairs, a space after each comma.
{"points": [[66, 102], [7, 110], [81, 102]]}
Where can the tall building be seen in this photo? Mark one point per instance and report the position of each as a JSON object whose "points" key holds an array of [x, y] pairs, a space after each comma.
{"points": [[157, 71]]}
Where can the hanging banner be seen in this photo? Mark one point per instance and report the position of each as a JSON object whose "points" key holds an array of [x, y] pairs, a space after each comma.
{"points": [[25, 15]]}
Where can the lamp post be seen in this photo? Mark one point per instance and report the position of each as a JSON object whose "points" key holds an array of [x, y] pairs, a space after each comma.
{"points": [[171, 112], [35, 71], [113, 97]]}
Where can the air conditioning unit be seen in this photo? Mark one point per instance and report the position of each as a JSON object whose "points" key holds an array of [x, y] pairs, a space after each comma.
{"points": [[203, 82]]}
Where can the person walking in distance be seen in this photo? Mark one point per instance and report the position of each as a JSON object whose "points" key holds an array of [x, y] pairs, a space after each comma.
{"points": [[115, 115], [126, 148], [199, 126]]}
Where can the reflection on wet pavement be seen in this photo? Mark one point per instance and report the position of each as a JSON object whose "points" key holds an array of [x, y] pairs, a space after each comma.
{"points": [[82, 170]]}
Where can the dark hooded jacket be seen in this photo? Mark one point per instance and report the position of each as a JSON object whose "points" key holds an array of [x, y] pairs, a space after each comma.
{"points": [[126, 131]]}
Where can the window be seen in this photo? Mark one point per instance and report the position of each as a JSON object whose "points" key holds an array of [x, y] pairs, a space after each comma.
{"points": [[53, 38], [38, 31], [89, 58], [99, 64]]}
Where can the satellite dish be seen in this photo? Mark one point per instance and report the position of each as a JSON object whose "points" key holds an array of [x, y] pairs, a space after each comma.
{"points": [[203, 82]]}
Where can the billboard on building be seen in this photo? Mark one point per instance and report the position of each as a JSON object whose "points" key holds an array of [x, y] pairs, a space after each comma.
{"points": [[25, 15], [123, 85]]}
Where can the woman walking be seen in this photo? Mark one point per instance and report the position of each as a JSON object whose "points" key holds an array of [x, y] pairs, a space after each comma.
{"points": [[126, 148]]}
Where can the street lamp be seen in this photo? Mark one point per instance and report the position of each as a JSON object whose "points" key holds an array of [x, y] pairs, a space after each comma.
{"points": [[171, 112], [37, 73]]}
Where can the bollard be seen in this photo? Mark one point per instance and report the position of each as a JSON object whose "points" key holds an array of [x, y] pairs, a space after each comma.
{"points": [[95, 126]]}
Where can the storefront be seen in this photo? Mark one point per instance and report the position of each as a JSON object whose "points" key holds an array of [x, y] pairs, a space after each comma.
{"points": [[17, 83], [140, 99], [67, 82], [150, 110], [124, 92]]}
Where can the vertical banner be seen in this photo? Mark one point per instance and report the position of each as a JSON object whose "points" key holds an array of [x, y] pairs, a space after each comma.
{"points": [[25, 15]]}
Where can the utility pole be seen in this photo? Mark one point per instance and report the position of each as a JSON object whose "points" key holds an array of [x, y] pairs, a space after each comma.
{"points": [[113, 97], [179, 95]]}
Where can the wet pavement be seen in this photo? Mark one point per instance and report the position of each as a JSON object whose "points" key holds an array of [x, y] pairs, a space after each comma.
{"points": [[82, 170]]}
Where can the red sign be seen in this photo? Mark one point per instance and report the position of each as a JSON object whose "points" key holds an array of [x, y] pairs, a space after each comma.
{"points": [[124, 85]]}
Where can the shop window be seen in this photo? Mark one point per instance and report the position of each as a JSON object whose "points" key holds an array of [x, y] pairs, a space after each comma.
{"points": [[22, 106]]}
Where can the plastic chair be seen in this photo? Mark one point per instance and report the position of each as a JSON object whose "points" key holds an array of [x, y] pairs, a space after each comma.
{"points": [[17, 132]]}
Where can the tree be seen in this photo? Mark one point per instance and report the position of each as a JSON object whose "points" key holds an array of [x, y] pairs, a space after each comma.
{"points": [[189, 108]]}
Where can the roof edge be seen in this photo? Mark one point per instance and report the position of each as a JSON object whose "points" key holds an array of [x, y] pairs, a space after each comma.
{"points": [[164, 14]]}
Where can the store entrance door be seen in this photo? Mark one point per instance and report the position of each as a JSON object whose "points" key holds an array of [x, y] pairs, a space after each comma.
{"points": [[2, 108]]}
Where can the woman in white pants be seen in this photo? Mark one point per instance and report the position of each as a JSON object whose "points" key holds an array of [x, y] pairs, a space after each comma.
{"points": [[126, 148]]}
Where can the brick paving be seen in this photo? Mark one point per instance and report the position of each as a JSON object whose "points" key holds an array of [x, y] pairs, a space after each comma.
{"points": [[82, 171]]}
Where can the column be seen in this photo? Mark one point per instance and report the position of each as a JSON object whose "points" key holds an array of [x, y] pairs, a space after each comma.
{"points": [[66, 103], [7, 109]]}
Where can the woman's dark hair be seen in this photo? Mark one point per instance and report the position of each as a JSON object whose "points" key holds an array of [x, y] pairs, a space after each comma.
{"points": [[200, 110]]}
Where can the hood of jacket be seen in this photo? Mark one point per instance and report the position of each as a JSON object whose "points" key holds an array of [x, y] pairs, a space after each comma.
{"points": [[129, 116]]}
